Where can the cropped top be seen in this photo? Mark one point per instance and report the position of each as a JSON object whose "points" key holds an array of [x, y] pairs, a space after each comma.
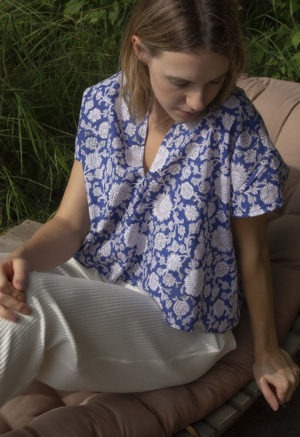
{"points": [[168, 232]]}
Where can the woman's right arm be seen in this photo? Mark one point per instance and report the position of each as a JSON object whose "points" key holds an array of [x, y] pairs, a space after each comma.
{"points": [[53, 244]]}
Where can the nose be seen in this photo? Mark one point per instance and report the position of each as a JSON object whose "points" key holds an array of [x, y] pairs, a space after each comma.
{"points": [[196, 101]]}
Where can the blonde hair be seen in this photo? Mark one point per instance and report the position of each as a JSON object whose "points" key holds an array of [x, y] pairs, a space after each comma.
{"points": [[178, 26]]}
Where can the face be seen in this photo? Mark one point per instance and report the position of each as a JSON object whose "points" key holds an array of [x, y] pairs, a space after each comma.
{"points": [[183, 83]]}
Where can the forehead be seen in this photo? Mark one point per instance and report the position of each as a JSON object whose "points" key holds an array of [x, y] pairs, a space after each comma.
{"points": [[192, 65]]}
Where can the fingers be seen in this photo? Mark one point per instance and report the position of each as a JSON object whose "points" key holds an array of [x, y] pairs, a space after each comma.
{"points": [[277, 377], [13, 282], [286, 390], [269, 395], [15, 271], [20, 274], [10, 306], [279, 388]]}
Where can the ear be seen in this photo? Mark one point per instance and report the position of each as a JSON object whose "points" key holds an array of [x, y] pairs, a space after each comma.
{"points": [[139, 49]]}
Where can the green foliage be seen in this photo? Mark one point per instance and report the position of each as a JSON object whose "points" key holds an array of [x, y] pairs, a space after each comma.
{"points": [[51, 50], [272, 36]]}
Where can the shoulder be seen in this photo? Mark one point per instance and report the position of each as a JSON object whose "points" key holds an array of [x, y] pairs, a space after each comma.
{"points": [[104, 92], [241, 106], [236, 114]]}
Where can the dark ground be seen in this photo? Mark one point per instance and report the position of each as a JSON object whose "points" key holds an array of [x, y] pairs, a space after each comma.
{"points": [[261, 421]]}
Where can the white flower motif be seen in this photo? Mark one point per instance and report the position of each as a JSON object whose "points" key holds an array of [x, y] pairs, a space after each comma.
{"points": [[119, 193], [116, 143], [130, 129], [239, 175], [204, 187], [132, 234], [96, 190], [186, 173], [181, 308], [250, 156], [95, 211], [109, 167], [134, 156], [221, 269], [91, 143], [191, 212], [142, 131], [268, 193], [221, 239], [169, 280], [244, 140], [227, 121], [174, 262], [106, 249], [193, 150], [94, 115], [103, 130], [153, 281], [93, 160], [219, 308], [175, 169], [187, 190], [89, 104], [163, 207], [194, 282], [160, 241]]}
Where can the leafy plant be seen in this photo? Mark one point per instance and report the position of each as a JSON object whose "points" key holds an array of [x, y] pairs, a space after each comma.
{"points": [[272, 37], [50, 52]]}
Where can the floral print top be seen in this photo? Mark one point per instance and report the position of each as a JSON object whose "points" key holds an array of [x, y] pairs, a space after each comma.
{"points": [[168, 231]]}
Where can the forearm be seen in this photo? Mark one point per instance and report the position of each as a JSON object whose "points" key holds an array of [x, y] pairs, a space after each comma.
{"points": [[257, 284], [274, 371], [53, 244]]}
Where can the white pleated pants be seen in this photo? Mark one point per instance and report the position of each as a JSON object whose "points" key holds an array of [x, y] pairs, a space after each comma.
{"points": [[85, 334]]}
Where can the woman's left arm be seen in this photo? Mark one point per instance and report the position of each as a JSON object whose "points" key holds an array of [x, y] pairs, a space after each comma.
{"points": [[275, 372]]}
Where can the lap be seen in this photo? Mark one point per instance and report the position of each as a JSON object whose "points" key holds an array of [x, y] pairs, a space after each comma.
{"points": [[105, 328]]}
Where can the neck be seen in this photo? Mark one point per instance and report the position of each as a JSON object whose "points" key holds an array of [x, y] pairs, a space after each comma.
{"points": [[159, 120]]}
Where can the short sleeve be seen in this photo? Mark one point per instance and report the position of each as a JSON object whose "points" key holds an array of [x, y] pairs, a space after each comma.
{"points": [[258, 172], [84, 125]]}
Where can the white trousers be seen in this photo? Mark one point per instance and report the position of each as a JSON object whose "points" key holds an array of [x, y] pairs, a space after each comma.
{"points": [[85, 334]]}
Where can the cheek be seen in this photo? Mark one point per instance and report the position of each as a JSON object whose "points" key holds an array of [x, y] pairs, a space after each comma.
{"points": [[166, 95], [212, 94]]}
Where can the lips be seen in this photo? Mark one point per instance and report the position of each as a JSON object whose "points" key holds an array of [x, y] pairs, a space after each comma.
{"points": [[189, 115]]}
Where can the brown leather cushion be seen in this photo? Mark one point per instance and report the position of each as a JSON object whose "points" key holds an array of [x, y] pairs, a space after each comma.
{"points": [[164, 412]]}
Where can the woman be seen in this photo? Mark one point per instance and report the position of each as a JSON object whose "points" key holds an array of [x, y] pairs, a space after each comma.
{"points": [[161, 231]]}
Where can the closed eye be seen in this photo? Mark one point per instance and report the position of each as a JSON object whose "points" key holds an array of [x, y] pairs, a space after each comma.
{"points": [[217, 81], [178, 82]]}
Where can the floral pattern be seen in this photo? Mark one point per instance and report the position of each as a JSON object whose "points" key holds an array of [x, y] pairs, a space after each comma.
{"points": [[168, 231]]}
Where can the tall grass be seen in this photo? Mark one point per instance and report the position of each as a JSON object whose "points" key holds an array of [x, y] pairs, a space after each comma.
{"points": [[51, 50]]}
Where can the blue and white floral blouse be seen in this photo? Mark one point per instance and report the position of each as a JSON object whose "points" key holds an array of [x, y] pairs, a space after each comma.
{"points": [[168, 231]]}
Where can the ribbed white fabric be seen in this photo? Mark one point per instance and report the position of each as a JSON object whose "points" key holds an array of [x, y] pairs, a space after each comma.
{"points": [[87, 334]]}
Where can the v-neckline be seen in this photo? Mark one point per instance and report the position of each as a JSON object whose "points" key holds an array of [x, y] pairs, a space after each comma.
{"points": [[160, 147]]}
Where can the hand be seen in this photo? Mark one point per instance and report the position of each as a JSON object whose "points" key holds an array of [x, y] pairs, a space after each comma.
{"points": [[277, 376], [13, 282]]}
